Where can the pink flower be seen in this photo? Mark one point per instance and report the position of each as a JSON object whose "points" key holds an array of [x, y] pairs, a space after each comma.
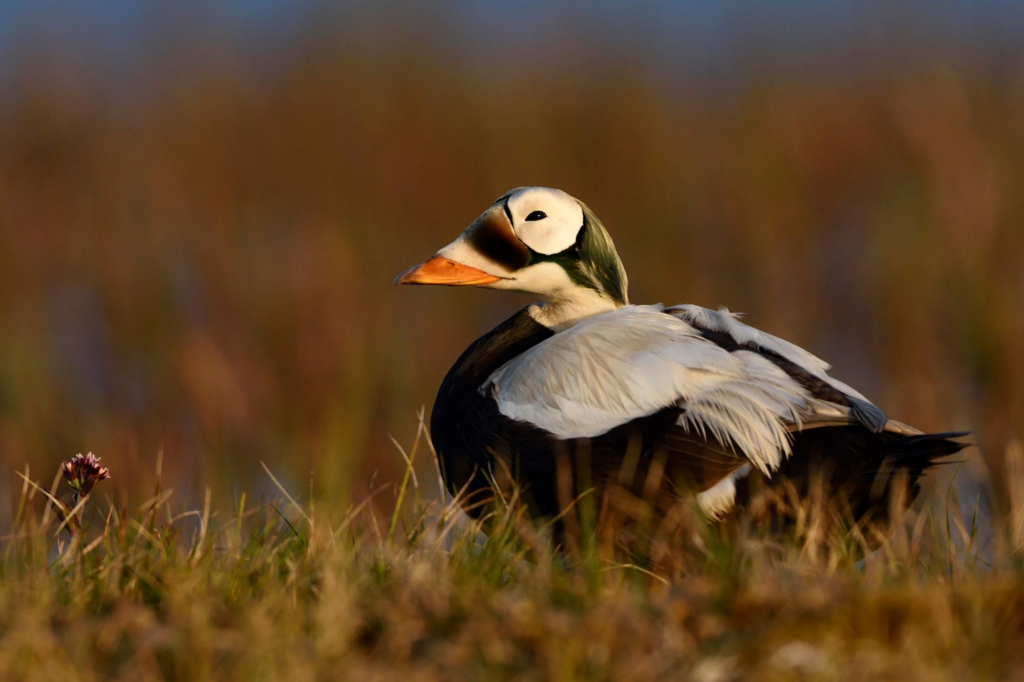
{"points": [[83, 472]]}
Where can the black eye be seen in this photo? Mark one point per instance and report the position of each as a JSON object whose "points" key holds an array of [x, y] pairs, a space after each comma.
{"points": [[537, 215]]}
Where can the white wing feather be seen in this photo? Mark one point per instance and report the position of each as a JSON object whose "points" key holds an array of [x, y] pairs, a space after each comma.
{"points": [[724, 321], [632, 362]]}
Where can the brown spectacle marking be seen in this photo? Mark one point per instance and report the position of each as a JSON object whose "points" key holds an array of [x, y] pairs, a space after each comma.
{"points": [[492, 236]]}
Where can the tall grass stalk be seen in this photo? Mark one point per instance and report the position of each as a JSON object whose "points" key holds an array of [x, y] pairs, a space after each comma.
{"points": [[276, 592]]}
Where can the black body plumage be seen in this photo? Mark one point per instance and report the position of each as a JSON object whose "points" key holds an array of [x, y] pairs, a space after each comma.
{"points": [[478, 445]]}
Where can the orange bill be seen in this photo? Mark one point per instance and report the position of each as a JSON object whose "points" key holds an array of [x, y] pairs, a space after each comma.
{"points": [[439, 270]]}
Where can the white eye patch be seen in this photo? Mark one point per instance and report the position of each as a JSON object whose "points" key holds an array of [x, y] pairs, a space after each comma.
{"points": [[547, 220]]}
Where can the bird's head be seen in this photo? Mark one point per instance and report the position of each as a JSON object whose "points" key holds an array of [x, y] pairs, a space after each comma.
{"points": [[538, 240]]}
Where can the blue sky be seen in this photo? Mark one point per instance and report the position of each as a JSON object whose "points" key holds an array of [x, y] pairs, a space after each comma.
{"points": [[705, 33]]}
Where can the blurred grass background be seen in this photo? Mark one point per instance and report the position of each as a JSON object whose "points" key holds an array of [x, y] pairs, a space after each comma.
{"points": [[202, 207]]}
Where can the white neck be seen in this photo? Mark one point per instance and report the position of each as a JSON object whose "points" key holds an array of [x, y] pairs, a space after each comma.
{"points": [[559, 313]]}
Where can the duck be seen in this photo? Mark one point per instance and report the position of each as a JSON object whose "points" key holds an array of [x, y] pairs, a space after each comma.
{"points": [[584, 392]]}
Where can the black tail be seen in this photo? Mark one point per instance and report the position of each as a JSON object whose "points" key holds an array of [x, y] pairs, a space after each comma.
{"points": [[858, 468]]}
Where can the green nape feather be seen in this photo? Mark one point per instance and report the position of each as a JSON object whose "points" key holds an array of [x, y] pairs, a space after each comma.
{"points": [[598, 261], [592, 261]]}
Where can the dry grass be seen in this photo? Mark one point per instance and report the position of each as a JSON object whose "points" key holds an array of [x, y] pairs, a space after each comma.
{"points": [[280, 592], [198, 262]]}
